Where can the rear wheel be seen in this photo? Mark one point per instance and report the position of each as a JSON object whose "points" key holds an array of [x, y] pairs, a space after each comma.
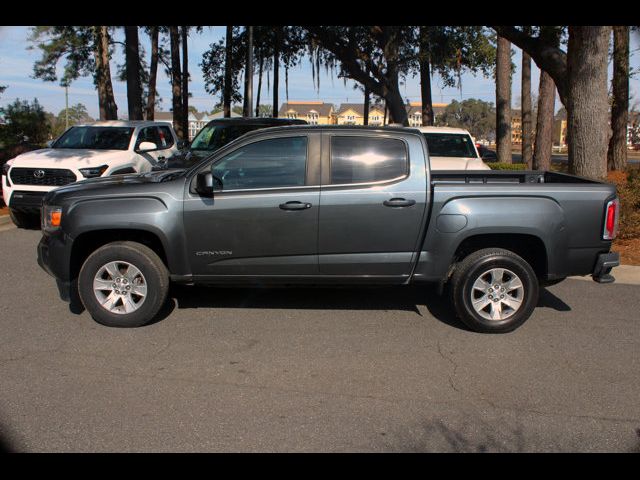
{"points": [[494, 290], [123, 284]]}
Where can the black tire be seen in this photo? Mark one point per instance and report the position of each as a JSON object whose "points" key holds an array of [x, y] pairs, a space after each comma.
{"points": [[475, 266], [24, 220], [144, 259]]}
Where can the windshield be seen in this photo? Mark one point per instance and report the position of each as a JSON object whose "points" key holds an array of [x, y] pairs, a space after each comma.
{"points": [[450, 145], [212, 137], [96, 138]]}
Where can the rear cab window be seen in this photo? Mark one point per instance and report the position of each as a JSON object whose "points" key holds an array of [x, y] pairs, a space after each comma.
{"points": [[360, 159]]}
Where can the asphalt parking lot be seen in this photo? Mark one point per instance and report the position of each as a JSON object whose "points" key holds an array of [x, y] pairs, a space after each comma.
{"points": [[385, 369]]}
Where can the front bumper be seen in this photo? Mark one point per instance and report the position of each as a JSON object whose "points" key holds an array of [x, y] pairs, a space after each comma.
{"points": [[604, 264], [26, 201]]}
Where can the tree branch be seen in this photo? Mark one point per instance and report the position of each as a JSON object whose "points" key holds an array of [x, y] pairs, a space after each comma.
{"points": [[547, 55]]}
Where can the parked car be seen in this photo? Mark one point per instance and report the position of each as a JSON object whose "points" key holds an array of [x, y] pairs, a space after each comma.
{"points": [[452, 149], [217, 133], [90, 150], [327, 205], [486, 154]]}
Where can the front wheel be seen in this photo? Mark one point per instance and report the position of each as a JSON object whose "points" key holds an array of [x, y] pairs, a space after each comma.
{"points": [[123, 284], [494, 290]]}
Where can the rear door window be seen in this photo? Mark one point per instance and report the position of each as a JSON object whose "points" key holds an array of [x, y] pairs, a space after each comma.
{"points": [[359, 159]]}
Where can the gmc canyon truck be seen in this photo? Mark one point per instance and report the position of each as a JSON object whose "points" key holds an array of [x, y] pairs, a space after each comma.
{"points": [[327, 205]]}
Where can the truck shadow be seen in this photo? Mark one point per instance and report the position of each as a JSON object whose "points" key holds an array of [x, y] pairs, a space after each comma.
{"points": [[408, 299]]}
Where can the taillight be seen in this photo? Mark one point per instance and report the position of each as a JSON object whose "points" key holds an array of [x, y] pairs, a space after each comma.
{"points": [[611, 220]]}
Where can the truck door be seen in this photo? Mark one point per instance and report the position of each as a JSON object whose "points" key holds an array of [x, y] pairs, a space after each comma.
{"points": [[372, 205], [264, 220]]}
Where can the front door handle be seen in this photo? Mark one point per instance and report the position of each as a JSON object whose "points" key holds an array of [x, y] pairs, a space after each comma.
{"points": [[399, 202], [295, 205]]}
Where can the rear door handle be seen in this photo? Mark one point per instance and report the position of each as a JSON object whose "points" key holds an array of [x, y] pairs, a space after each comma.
{"points": [[295, 205], [399, 202]]}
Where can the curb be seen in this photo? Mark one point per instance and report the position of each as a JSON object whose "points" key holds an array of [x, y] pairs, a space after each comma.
{"points": [[4, 219]]}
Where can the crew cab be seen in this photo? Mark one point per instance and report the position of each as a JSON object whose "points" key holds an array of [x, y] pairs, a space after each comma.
{"points": [[452, 149], [327, 205], [88, 150]]}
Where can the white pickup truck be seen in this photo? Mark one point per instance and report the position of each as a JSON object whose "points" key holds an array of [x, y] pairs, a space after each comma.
{"points": [[452, 149], [89, 150]]}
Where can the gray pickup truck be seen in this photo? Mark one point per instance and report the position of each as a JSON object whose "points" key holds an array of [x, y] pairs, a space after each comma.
{"points": [[327, 205]]}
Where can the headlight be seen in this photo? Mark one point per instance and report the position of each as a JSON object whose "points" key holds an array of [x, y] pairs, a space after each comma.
{"points": [[93, 171], [6, 167], [51, 217]]}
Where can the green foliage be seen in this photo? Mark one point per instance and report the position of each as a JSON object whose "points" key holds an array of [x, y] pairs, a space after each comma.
{"points": [[213, 67], [73, 44], [25, 123], [265, 110], [456, 49], [476, 116], [506, 166], [77, 114]]}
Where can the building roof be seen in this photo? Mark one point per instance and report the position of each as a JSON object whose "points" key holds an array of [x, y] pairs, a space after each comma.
{"points": [[359, 108], [303, 108]]}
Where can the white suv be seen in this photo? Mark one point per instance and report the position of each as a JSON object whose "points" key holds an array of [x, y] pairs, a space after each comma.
{"points": [[83, 151], [452, 149]]}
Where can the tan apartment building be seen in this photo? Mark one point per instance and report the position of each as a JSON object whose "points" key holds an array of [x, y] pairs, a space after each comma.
{"points": [[314, 112], [353, 114], [414, 112]]}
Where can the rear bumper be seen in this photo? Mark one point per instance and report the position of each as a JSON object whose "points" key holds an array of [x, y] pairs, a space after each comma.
{"points": [[604, 264]]}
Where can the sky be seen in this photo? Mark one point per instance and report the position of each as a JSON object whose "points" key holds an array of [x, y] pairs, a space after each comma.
{"points": [[16, 70]]}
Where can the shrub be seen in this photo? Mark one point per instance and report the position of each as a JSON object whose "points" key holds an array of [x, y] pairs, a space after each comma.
{"points": [[507, 166], [628, 187]]}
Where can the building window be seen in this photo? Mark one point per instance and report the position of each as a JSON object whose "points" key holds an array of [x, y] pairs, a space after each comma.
{"points": [[312, 118]]}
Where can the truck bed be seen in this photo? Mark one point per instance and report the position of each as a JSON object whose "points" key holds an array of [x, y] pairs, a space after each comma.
{"points": [[503, 176]]}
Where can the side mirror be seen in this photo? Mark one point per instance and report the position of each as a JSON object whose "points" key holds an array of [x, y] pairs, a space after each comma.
{"points": [[147, 147], [206, 184]]}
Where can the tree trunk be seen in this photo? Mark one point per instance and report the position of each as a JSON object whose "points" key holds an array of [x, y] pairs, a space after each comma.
{"points": [[544, 125], [248, 75], [367, 101], [106, 100], [428, 117], [153, 72], [185, 83], [527, 130], [503, 101], [176, 89], [587, 109], [259, 85], [276, 68], [134, 88], [397, 108], [617, 154], [226, 94]]}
